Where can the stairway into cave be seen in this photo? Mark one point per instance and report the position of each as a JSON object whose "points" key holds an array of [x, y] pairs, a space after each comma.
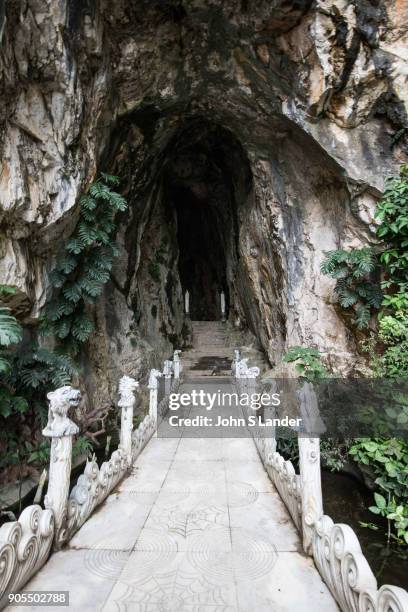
{"points": [[210, 354]]}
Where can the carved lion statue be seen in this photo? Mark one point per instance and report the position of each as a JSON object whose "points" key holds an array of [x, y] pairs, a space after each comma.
{"points": [[60, 402]]}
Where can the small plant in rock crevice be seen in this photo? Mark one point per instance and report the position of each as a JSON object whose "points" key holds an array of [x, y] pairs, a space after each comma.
{"points": [[307, 362]]}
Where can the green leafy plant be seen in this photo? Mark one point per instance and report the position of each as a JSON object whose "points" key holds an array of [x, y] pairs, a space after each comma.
{"points": [[396, 515], [308, 362], [356, 286], [356, 273], [388, 461], [11, 331], [39, 454], [83, 267], [36, 367], [28, 373], [35, 371], [334, 453], [82, 446], [393, 334], [287, 445], [392, 213]]}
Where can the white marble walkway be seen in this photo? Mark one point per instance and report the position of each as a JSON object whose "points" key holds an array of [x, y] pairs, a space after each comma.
{"points": [[196, 527]]}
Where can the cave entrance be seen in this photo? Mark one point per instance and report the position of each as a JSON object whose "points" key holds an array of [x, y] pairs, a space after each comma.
{"points": [[204, 182]]}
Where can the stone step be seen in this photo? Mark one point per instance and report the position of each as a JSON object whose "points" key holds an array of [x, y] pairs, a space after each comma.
{"points": [[210, 336], [207, 371], [207, 323], [193, 374], [206, 348], [218, 351], [211, 356]]}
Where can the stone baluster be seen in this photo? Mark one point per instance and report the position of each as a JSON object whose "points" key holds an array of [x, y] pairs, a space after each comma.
{"points": [[153, 387], [251, 378], [176, 363], [309, 467], [167, 372], [127, 399], [268, 411], [60, 429], [237, 359], [243, 371]]}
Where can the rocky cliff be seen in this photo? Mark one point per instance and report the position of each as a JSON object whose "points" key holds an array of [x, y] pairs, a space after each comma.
{"points": [[283, 117]]}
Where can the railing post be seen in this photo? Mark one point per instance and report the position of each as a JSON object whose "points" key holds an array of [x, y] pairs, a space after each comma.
{"points": [[60, 429], [153, 386], [237, 359], [309, 468], [176, 363], [167, 372], [127, 399]]}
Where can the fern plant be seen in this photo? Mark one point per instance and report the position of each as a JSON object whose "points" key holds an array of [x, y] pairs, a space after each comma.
{"points": [[33, 372], [36, 367], [83, 266], [11, 331], [356, 286]]}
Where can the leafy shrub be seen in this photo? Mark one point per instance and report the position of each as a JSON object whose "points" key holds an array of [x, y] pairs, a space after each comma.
{"points": [[393, 333], [11, 332], [334, 453], [388, 459], [392, 212], [34, 372], [356, 286]]}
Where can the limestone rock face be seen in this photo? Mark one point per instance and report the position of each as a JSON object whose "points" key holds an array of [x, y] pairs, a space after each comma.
{"points": [[313, 95]]}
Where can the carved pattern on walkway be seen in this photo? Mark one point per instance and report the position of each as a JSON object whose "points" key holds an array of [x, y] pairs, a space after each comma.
{"points": [[175, 591]]}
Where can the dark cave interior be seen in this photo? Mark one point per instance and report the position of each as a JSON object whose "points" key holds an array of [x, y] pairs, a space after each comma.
{"points": [[201, 183]]}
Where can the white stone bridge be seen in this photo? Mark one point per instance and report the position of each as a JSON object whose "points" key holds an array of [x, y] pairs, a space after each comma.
{"points": [[187, 524]]}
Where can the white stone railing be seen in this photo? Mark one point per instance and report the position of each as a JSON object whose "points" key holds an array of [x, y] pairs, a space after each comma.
{"points": [[24, 548], [287, 482], [334, 547], [25, 544], [95, 484]]}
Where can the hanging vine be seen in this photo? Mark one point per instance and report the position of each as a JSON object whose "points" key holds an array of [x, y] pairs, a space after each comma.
{"points": [[84, 265]]}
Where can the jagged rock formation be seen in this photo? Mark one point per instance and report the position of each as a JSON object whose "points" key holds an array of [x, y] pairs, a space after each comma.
{"points": [[282, 120]]}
